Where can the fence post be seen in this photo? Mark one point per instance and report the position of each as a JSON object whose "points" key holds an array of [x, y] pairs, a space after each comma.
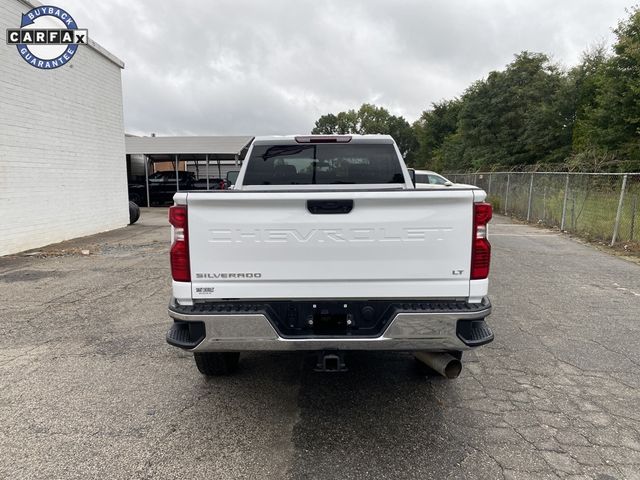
{"points": [[489, 189], [564, 203], [506, 195], [530, 195], [634, 210], [619, 212]]}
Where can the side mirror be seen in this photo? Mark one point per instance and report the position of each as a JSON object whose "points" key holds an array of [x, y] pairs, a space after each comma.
{"points": [[448, 183], [412, 174]]}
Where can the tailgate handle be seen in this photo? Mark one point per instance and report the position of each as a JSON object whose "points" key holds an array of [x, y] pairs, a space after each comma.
{"points": [[327, 207]]}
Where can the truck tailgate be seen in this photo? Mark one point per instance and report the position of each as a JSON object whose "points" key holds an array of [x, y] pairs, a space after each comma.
{"points": [[392, 244]]}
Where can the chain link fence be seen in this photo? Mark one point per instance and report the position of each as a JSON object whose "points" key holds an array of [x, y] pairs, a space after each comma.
{"points": [[598, 206]]}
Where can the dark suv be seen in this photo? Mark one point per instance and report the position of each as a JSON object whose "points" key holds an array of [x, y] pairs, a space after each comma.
{"points": [[162, 185]]}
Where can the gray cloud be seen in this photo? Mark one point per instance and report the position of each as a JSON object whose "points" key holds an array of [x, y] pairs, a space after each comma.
{"points": [[239, 67]]}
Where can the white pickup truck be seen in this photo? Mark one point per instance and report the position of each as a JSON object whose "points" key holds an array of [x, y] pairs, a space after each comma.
{"points": [[324, 244]]}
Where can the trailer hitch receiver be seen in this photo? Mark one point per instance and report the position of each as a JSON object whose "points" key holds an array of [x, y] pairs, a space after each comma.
{"points": [[330, 361]]}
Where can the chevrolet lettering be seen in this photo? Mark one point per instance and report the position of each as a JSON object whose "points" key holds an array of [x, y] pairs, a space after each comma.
{"points": [[320, 235]]}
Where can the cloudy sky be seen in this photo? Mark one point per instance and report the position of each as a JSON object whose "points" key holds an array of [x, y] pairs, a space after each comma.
{"points": [[272, 67]]}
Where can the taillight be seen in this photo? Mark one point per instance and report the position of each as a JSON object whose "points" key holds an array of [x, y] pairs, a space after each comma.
{"points": [[481, 248], [179, 253]]}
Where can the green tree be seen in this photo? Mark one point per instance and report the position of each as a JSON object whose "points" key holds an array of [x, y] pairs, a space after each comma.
{"points": [[370, 119], [519, 116], [342, 123], [431, 130], [586, 78], [609, 122]]}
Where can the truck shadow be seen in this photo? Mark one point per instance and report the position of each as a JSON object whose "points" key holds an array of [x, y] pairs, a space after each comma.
{"points": [[380, 417], [376, 419]]}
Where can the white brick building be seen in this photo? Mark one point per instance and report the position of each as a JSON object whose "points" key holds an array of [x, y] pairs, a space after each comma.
{"points": [[62, 152]]}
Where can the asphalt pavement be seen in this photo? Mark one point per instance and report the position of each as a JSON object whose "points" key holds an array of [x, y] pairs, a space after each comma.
{"points": [[90, 389]]}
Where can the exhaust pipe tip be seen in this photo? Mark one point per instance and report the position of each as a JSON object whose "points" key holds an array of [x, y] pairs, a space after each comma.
{"points": [[444, 363], [453, 369]]}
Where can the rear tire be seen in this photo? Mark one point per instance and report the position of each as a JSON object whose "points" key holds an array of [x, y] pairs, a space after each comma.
{"points": [[214, 364], [134, 213]]}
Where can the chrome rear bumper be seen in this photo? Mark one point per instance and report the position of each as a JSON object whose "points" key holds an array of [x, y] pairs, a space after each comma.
{"points": [[435, 330]]}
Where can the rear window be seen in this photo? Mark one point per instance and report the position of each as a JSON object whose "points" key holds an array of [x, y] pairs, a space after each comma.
{"points": [[323, 164]]}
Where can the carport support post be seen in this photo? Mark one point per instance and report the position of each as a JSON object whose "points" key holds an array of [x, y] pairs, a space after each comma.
{"points": [[146, 178], [619, 212], [177, 176], [530, 196], [564, 203], [506, 194], [207, 157]]}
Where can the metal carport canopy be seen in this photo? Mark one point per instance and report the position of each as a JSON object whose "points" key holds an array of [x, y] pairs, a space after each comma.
{"points": [[210, 146], [229, 145]]}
